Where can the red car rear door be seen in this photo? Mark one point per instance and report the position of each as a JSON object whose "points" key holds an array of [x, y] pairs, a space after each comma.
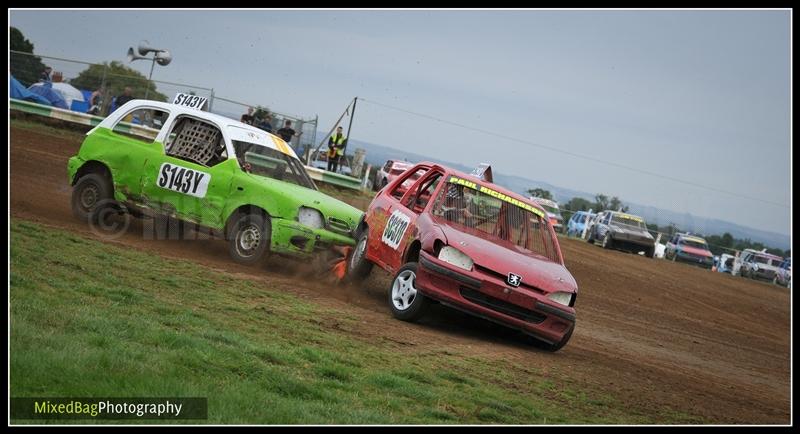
{"points": [[392, 239]]}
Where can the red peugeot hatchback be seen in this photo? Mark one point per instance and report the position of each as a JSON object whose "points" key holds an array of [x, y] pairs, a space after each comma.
{"points": [[471, 245]]}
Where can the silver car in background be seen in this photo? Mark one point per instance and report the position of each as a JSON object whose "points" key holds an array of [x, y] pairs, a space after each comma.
{"points": [[783, 276], [759, 265], [618, 230]]}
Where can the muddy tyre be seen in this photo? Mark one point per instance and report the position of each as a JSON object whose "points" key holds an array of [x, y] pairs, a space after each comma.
{"points": [[358, 266], [249, 238], [608, 242], [405, 300], [89, 194], [552, 347]]}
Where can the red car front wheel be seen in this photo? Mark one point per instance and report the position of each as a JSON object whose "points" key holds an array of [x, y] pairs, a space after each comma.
{"points": [[406, 302]]}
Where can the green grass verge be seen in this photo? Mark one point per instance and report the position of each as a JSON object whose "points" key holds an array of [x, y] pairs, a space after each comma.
{"points": [[90, 319], [52, 127]]}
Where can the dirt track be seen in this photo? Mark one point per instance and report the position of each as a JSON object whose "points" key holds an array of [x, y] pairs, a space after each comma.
{"points": [[652, 334]]}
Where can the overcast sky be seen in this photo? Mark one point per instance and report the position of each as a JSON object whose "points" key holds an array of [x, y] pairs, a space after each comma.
{"points": [[702, 96]]}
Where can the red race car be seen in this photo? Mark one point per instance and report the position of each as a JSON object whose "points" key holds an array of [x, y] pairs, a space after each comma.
{"points": [[471, 245]]}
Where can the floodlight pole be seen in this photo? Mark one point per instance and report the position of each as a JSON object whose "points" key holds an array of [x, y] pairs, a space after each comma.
{"points": [[150, 78], [349, 127], [145, 48]]}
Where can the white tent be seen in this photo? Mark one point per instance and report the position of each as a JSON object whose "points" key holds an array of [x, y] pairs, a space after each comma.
{"points": [[68, 92]]}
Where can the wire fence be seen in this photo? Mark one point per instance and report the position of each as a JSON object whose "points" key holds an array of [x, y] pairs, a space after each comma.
{"points": [[306, 129], [97, 86], [94, 87]]}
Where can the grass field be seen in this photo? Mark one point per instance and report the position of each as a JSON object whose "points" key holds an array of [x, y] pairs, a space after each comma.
{"points": [[90, 319]]}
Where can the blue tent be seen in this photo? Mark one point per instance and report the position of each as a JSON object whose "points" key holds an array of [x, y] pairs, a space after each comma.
{"points": [[18, 91], [46, 90]]}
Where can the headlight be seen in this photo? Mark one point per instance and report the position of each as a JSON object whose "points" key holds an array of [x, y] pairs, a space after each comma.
{"points": [[755, 267], [310, 217], [560, 297], [455, 257]]}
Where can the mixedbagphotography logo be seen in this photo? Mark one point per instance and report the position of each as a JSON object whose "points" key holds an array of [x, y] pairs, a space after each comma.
{"points": [[112, 219], [109, 408]]}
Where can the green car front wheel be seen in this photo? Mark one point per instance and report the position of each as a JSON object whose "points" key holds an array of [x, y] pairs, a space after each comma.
{"points": [[249, 238]]}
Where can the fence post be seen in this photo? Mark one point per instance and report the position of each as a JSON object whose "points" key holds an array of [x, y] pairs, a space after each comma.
{"points": [[314, 133], [586, 225], [106, 96], [366, 177]]}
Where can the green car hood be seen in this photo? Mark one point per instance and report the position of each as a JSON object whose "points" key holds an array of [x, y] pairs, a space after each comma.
{"points": [[302, 196]]}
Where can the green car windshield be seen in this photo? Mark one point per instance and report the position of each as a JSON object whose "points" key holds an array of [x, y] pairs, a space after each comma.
{"points": [[271, 163]]}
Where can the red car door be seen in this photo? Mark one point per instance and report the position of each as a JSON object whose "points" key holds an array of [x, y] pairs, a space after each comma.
{"points": [[392, 222]]}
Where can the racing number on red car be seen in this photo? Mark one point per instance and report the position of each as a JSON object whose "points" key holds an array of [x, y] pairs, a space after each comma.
{"points": [[183, 180], [395, 229]]}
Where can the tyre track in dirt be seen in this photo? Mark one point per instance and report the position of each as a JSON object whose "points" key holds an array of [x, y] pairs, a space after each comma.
{"points": [[654, 335]]}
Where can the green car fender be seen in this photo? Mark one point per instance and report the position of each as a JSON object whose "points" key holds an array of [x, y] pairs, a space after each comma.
{"points": [[282, 202]]}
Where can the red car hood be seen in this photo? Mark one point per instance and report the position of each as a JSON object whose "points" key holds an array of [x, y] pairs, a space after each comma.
{"points": [[503, 257], [695, 251]]}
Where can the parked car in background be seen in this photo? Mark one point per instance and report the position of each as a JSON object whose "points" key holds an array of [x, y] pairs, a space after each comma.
{"points": [[759, 265], [725, 263], [388, 172], [618, 230], [553, 213], [578, 221], [784, 274], [690, 249], [196, 167], [471, 245]]}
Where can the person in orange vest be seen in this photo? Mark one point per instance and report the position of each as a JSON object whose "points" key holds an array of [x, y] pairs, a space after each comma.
{"points": [[336, 149]]}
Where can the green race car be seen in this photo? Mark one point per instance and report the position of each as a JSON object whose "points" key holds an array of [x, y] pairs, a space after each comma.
{"points": [[174, 161]]}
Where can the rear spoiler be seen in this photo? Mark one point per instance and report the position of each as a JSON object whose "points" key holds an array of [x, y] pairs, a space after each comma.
{"points": [[483, 171]]}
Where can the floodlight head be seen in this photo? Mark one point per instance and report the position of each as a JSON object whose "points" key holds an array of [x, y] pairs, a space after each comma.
{"points": [[133, 56], [163, 57], [144, 48]]}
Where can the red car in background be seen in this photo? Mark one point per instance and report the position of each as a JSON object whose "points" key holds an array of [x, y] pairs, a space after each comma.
{"points": [[391, 170], [471, 245], [690, 249]]}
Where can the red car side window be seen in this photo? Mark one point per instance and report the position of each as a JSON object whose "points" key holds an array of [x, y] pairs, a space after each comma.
{"points": [[422, 193], [407, 182]]}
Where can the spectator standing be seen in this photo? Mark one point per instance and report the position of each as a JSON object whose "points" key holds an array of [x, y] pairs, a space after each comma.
{"points": [[266, 124], [45, 76], [336, 149], [96, 101], [286, 133], [126, 96], [248, 118]]}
